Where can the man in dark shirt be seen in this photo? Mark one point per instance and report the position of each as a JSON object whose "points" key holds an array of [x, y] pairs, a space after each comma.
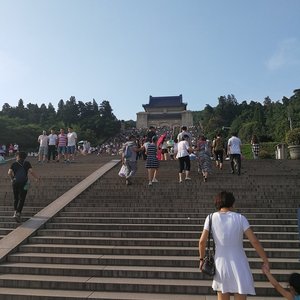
{"points": [[18, 173]]}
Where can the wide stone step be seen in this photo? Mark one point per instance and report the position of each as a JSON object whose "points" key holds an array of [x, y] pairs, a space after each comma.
{"points": [[5, 231], [100, 212], [160, 227], [139, 250], [142, 206], [288, 244], [50, 294], [85, 283], [122, 271], [196, 210], [154, 234], [136, 260], [93, 218]]}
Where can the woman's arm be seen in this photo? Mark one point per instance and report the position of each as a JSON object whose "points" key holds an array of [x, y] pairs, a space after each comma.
{"points": [[202, 245], [257, 246], [33, 174], [11, 174], [277, 285]]}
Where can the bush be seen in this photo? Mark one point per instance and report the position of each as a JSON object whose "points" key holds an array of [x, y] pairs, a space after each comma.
{"points": [[292, 137], [267, 150], [263, 154]]}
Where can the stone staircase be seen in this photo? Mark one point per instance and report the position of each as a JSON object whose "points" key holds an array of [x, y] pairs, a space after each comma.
{"points": [[56, 179], [138, 242]]}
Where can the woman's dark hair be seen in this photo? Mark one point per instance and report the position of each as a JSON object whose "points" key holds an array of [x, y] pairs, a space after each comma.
{"points": [[294, 281], [22, 155], [224, 199], [154, 139]]}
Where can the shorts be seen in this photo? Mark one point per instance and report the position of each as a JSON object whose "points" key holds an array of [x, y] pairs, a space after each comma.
{"points": [[61, 149], [71, 149], [43, 150]]}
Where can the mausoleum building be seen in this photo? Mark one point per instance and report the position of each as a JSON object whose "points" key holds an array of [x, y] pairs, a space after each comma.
{"points": [[167, 111]]}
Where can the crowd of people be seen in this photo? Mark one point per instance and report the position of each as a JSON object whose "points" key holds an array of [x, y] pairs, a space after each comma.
{"points": [[189, 144], [8, 150]]}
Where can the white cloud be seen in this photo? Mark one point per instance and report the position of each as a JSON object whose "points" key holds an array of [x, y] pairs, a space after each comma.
{"points": [[287, 54]]}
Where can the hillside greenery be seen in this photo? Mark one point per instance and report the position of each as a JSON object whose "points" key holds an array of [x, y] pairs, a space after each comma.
{"points": [[269, 120], [92, 121], [96, 122]]}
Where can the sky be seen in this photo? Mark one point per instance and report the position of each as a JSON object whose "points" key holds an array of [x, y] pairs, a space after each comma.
{"points": [[123, 51]]}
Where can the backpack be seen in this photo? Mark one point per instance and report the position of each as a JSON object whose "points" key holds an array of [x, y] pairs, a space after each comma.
{"points": [[218, 144], [21, 174], [127, 152]]}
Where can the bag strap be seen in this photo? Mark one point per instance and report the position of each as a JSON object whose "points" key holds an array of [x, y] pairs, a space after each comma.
{"points": [[22, 165], [210, 235]]}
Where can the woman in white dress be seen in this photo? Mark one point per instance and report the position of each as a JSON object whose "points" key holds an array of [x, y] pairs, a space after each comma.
{"points": [[233, 274]]}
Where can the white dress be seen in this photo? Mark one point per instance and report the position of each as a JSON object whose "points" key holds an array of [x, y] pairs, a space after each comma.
{"points": [[233, 274]]}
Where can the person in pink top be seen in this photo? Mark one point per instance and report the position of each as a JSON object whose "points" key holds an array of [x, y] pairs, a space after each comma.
{"points": [[61, 145]]}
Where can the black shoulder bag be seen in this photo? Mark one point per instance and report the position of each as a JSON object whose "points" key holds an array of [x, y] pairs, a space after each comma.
{"points": [[208, 266]]}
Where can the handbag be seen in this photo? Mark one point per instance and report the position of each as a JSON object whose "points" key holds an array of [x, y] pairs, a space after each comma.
{"points": [[122, 172], [208, 266], [27, 185]]}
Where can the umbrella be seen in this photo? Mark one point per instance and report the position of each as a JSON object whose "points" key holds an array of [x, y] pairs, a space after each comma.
{"points": [[161, 138]]}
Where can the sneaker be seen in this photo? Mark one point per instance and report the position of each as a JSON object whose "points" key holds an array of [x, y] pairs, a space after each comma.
{"points": [[18, 217], [188, 178], [180, 181], [150, 183], [15, 214], [154, 180]]}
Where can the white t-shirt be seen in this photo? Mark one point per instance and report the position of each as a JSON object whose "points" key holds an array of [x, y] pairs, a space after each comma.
{"points": [[182, 149], [43, 140], [182, 134], [52, 139], [234, 144], [72, 137]]}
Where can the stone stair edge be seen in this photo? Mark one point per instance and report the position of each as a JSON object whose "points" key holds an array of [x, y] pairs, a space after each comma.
{"points": [[17, 236], [67, 294]]}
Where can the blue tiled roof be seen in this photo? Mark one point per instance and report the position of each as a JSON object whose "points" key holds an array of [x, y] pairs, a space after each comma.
{"points": [[168, 101]]}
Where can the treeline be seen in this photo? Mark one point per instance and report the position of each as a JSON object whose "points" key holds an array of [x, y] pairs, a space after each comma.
{"points": [[92, 121], [268, 120], [95, 122]]}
